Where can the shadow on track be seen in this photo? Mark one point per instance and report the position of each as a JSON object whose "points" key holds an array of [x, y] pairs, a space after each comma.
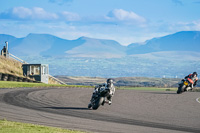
{"points": [[68, 108], [166, 93]]}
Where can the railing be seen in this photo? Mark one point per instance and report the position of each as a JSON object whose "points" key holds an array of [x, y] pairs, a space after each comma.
{"points": [[18, 59], [24, 62], [59, 81]]}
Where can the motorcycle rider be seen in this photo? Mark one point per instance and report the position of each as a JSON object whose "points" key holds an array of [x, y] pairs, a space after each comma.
{"points": [[108, 85], [193, 77]]}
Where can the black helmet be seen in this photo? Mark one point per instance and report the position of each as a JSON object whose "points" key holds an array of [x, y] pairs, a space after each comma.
{"points": [[109, 81], [195, 73]]}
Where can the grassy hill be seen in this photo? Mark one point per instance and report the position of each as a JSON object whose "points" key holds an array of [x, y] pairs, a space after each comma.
{"points": [[10, 66]]}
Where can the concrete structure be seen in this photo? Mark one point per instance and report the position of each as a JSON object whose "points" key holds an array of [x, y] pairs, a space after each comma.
{"points": [[40, 72]]}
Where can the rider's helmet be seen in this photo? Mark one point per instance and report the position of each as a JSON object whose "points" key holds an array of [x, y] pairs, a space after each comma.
{"points": [[109, 82], [194, 73]]}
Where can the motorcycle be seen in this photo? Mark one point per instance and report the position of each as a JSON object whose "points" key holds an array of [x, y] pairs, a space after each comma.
{"points": [[185, 85], [100, 98]]}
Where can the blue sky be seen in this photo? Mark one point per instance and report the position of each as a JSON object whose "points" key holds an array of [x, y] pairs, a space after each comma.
{"points": [[125, 21]]}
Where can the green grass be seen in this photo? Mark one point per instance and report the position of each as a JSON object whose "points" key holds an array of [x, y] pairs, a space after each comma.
{"points": [[148, 88], [10, 84], [17, 127]]}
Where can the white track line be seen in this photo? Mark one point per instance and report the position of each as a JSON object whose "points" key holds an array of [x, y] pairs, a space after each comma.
{"points": [[198, 100]]}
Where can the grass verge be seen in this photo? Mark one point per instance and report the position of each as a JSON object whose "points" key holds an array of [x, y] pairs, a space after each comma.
{"points": [[17, 127], [10, 84]]}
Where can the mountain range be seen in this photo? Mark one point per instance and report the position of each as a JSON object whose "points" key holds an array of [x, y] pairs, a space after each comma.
{"points": [[180, 41], [49, 45], [174, 55]]}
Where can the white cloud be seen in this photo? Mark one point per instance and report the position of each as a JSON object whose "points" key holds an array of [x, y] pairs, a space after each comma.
{"points": [[37, 13], [187, 26], [122, 15], [69, 16], [197, 24], [40, 13], [21, 12], [60, 2]]}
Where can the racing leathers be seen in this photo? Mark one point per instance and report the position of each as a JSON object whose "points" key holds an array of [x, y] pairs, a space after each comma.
{"points": [[192, 79]]}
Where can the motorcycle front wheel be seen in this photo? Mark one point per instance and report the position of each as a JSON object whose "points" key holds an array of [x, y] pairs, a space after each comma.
{"points": [[181, 89], [97, 103]]}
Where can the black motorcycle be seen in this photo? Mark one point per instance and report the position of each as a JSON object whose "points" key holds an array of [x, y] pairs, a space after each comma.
{"points": [[185, 85], [99, 98]]}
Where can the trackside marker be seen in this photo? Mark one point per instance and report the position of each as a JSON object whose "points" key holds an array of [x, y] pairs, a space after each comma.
{"points": [[198, 100]]}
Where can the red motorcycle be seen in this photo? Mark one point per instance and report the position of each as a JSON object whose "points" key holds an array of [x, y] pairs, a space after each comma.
{"points": [[185, 85]]}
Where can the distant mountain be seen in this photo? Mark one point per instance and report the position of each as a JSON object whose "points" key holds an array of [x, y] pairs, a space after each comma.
{"points": [[8, 38], [48, 45], [97, 48], [40, 44], [180, 41]]}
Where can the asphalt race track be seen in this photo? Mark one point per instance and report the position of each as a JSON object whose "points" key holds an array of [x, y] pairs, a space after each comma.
{"points": [[132, 111]]}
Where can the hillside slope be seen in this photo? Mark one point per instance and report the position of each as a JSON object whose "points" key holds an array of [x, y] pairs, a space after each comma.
{"points": [[180, 41], [10, 66]]}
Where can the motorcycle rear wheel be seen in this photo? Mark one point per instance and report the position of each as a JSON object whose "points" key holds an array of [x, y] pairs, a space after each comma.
{"points": [[89, 105]]}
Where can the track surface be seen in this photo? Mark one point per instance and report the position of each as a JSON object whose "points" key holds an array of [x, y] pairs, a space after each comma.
{"points": [[131, 111]]}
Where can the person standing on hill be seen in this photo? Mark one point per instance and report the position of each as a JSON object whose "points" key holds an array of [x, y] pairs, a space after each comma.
{"points": [[3, 51]]}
